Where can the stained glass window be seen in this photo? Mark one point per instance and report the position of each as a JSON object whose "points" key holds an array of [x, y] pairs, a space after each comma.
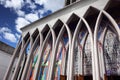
{"points": [[78, 54], [33, 65], [112, 53], [87, 57], [45, 62], [60, 57]]}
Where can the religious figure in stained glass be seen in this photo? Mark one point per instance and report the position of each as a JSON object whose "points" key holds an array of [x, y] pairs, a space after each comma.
{"points": [[112, 53]]}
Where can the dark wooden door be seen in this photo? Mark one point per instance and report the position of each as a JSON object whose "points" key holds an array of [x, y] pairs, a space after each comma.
{"points": [[88, 77], [63, 77]]}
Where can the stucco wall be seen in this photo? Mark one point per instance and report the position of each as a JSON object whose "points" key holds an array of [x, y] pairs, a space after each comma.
{"points": [[6, 52], [4, 62]]}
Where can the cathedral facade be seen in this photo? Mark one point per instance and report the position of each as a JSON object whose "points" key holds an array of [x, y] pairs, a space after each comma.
{"points": [[79, 42]]}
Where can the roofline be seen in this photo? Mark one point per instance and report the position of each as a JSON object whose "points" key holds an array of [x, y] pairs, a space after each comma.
{"points": [[56, 12]]}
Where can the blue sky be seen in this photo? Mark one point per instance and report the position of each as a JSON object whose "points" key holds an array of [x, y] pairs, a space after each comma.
{"points": [[15, 14]]}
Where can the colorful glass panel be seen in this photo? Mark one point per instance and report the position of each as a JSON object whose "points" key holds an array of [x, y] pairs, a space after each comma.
{"points": [[45, 62], [60, 57], [33, 64]]}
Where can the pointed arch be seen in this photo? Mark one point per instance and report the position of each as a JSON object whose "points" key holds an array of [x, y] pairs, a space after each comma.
{"points": [[79, 44], [72, 22], [45, 31], [58, 40], [110, 47], [91, 41], [69, 55], [91, 16], [26, 40], [35, 34], [91, 11], [26, 37], [36, 39], [112, 8], [97, 25], [95, 75], [32, 58], [82, 20], [57, 27], [113, 22], [47, 46], [69, 74]]}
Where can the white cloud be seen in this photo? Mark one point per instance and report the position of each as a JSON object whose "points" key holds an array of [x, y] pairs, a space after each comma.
{"points": [[52, 5], [31, 17], [20, 13], [31, 4], [4, 29], [15, 4], [25, 19], [21, 22], [7, 34], [41, 11]]}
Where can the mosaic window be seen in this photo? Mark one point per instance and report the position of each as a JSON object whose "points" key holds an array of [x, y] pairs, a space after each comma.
{"points": [[60, 58], [112, 53], [87, 57], [78, 54], [33, 63], [25, 55], [45, 62]]}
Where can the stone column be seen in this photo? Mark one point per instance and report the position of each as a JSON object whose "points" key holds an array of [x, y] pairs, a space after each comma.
{"points": [[54, 51], [81, 57], [102, 62], [38, 63]]}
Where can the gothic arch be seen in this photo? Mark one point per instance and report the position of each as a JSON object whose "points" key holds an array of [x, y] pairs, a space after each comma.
{"points": [[59, 30], [57, 27], [103, 14], [85, 21], [82, 20], [35, 45], [26, 40], [48, 35], [72, 22], [26, 37], [92, 13], [112, 8], [35, 34]]}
